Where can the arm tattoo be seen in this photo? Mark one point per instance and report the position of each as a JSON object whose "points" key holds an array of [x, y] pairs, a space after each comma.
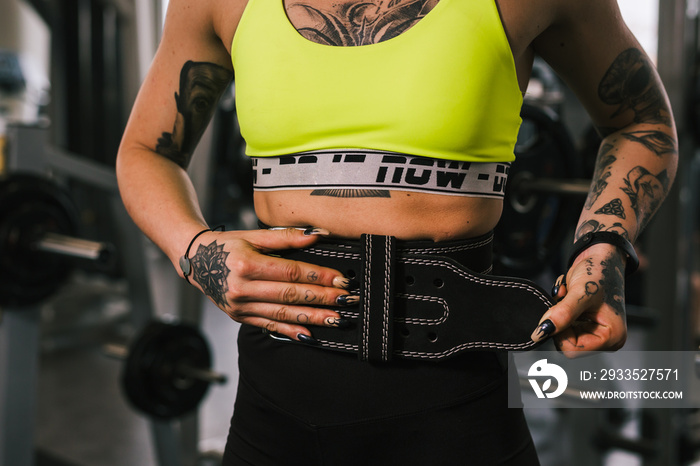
{"points": [[613, 207], [592, 226], [658, 142], [201, 85], [613, 283], [352, 23], [630, 84], [598, 187], [351, 192], [645, 192], [604, 161], [210, 271]]}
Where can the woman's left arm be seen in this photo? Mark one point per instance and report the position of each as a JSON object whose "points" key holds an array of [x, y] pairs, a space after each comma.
{"points": [[594, 52]]}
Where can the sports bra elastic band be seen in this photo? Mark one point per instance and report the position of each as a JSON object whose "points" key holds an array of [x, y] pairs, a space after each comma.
{"points": [[341, 171]]}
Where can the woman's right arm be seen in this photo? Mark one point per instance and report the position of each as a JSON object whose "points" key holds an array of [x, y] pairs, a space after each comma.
{"points": [[190, 71]]}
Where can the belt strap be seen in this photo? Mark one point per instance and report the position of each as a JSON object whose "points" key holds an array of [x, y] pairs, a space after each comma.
{"points": [[377, 291], [420, 303]]}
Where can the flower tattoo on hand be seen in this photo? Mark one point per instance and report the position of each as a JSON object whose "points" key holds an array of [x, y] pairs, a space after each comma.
{"points": [[210, 271]]}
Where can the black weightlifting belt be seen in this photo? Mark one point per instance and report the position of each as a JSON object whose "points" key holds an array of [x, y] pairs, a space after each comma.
{"points": [[423, 300]]}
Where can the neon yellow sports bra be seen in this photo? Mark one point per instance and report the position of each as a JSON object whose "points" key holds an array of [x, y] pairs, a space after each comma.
{"points": [[446, 88]]}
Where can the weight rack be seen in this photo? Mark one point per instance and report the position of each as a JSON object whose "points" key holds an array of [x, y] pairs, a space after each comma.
{"points": [[175, 440]]}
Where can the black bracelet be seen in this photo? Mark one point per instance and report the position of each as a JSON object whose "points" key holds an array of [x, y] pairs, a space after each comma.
{"points": [[591, 238], [185, 262]]}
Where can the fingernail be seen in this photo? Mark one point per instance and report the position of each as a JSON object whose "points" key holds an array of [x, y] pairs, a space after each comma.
{"points": [[347, 300], [316, 231], [339, 322], [307, 339], [346, 283], [555, 291], [544, 330]]}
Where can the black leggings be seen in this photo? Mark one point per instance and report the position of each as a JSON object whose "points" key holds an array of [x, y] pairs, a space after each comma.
{"points": [[299, 405]]}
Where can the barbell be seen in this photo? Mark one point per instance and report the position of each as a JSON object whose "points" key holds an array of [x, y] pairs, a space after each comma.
{"points": [[167, 369], [38, 228]]}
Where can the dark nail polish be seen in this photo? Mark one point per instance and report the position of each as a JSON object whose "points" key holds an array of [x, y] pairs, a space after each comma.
{"points": [[555, 291], [544, 330], [352, 284], [316, 231], [347, 300], [343, 323], [307, 339]]}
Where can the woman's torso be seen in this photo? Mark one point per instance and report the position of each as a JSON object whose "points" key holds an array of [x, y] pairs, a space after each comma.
{"points": [[407, 215]]}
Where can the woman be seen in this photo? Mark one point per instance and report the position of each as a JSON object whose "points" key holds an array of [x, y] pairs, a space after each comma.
{"points": [[330, 95]]}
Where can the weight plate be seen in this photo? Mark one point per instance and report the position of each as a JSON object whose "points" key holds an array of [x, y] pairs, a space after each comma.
{"points": [[151, 380], [31, 206], [533, 226]]}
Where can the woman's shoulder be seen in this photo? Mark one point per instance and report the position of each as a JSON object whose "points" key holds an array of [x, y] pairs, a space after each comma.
{"points": [[214, 20]]}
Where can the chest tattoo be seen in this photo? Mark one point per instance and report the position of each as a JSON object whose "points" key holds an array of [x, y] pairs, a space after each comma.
{"points": [[353, 23]]}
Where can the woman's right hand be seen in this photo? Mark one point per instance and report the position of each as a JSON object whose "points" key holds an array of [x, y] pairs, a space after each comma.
{"points": [[282, 296]]}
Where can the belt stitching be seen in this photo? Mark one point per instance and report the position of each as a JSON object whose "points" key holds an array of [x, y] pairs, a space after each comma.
{"points": [[419, 321], [435, 250], [387, 291], [459, 272], [434, 263], [479, 344], [475, 344], [356, 256], [366, 311], [426, 250], [333, 344]]}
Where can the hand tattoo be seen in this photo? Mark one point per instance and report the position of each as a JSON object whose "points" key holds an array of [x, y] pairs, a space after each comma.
{"points": [[613, 283], [309, 296], [211, 272], [590, 289]]}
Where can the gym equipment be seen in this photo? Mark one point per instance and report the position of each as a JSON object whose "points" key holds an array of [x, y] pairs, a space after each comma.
{"points": [[38, 224], [543, 198], [167, 369]]}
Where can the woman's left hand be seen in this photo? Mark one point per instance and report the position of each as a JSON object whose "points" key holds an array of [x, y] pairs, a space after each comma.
{"points": [[590, 310]]}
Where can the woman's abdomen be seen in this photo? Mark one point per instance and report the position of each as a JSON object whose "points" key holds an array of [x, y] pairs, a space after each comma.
{"points": [[406, 215]]}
